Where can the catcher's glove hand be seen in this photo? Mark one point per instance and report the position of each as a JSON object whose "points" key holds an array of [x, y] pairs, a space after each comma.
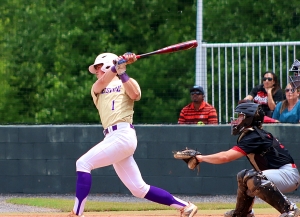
{"points": [[188, 156]]}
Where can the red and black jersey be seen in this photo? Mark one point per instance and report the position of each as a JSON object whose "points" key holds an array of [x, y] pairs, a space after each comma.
{"points": [[263, 150]]}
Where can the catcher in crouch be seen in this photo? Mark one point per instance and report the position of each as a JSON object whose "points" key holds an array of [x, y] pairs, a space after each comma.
{"points": [[274, 170]]}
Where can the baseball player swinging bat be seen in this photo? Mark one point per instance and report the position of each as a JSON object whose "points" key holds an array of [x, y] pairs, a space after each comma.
{"points": [[170, 49]]}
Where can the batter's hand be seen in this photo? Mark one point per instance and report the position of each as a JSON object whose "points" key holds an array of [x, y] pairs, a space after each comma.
{"points": [[129, 57], [120, 65]]}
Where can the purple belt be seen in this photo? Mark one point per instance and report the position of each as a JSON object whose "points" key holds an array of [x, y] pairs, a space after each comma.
{"points": [[114, 127]]}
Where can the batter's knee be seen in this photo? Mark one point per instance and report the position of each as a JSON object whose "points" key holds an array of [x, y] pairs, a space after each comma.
{"points": [[83, 166], [141, 191]]}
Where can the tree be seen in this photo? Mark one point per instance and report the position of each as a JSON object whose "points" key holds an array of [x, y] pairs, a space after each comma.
{"points": [[52, 43], [251, 21], [47, 47]]}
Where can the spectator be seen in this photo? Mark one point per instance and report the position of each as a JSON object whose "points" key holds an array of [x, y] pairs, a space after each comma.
{"points": [[198, 111], [268, 94], [288, 111]]}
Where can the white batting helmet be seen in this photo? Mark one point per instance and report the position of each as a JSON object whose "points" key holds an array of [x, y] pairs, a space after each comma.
{"points": [[106, 59]]}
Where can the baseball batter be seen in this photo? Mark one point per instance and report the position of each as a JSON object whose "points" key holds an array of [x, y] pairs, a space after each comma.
{"points": [[114, 94], [274, 170]]}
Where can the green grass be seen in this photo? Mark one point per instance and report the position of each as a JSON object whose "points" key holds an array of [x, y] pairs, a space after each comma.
{"points": [[96, 206]]}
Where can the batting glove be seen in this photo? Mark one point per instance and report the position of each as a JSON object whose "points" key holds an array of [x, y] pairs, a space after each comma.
{"points": [[120, 65], [130, 57]]}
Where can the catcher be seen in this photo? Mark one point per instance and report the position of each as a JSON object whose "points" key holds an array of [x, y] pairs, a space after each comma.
{"points": [[274, 170], [295, 79]]}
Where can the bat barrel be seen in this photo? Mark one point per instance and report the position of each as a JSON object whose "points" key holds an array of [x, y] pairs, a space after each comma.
{"points": [[171, 49]]}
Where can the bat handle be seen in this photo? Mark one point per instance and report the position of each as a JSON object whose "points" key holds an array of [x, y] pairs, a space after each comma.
{"points": [[120, 61], [124, 61]]}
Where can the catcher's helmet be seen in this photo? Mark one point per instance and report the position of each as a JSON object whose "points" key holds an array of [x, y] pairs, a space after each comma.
{"points": [[106, 59], [252, 115], [295, 67], [295, 79]]}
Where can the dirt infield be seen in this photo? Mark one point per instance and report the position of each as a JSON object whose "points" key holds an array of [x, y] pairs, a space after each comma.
{"points": [[14, 210], [109, 215], [164, 213], [119, 215]]}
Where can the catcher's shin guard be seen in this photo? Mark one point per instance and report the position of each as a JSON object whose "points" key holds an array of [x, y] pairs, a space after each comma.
{"points": [[244, 201], [267, 191]]}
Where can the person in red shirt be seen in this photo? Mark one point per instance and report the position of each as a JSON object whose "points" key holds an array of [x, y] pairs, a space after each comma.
{"points": [[198, 111]]}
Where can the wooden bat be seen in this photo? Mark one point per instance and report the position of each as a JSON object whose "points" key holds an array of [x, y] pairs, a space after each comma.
{"points": [[171, 49]]}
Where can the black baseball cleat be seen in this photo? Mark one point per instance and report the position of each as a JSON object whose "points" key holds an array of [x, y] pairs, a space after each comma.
{"points": [[231, 213], [292, 213]]}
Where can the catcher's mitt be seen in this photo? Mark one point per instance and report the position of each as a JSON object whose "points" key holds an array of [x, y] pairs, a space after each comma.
{"points": [[188, 156]]}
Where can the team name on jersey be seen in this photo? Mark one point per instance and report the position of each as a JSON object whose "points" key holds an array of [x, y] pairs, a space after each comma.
{"points": [[111, 90]]}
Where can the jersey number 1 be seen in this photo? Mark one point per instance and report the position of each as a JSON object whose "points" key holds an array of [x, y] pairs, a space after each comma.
{"points": [[113, 105]]}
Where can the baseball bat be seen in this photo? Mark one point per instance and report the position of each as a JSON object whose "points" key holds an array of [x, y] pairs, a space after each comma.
{"points": [[171, 49]]}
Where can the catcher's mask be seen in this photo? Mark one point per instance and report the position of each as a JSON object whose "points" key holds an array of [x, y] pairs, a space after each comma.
{"points": [[106, 59], [295, 79], [247, 114]]}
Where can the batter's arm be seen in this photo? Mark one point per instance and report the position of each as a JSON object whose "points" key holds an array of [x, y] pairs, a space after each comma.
{"points": [[220, 157], [103, 81], [132, 89]]}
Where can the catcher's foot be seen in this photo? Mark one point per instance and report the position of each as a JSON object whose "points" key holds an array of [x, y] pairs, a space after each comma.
{"points": [[292, 213], [189, 210], [72, 214], [231, 214]]}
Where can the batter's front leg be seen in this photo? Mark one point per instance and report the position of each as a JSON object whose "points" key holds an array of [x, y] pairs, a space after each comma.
{"points": [[130, 175]]}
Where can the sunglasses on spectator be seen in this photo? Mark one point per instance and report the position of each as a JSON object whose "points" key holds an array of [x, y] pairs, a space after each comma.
{"points": [[290, 89], [196, 92], [267, 78]]}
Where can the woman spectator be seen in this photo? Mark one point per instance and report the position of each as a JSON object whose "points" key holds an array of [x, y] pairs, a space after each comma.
{"points": [[288, 111], [268, 94]]}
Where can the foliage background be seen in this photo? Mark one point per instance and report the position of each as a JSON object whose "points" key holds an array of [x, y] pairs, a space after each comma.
{"points": [[47, 46]]}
